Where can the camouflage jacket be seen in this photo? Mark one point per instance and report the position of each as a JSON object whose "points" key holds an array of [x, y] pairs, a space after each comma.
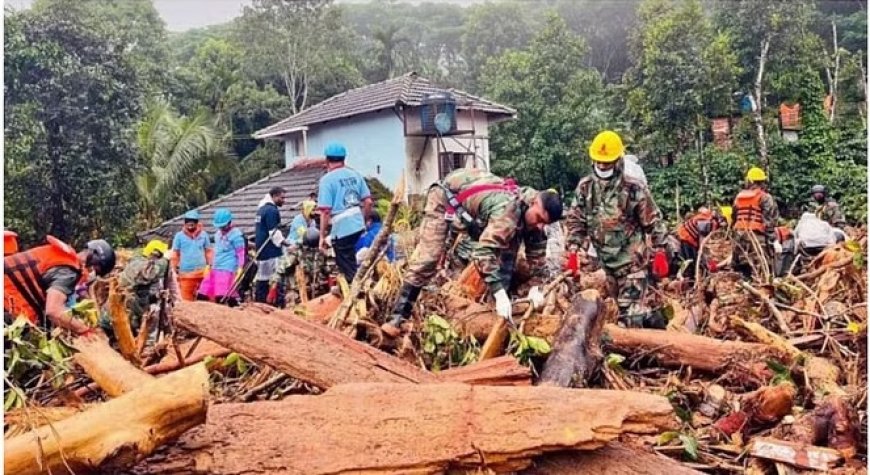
{"points": [[616, 215], [501, 218], [828, 211]]}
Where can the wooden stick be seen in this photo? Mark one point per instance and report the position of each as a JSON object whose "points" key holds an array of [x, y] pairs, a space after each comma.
{"points": [[121, 323], [780, 318], [301, 283], [841, 263], [371, 256]]}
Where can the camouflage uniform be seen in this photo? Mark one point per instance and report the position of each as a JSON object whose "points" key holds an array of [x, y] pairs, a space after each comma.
{"points": [[744, 250], [314, 264], [828, 211], [617, 215], [500, 215], [145, 279]]}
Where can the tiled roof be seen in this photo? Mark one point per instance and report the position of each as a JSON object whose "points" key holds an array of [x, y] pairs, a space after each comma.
{"points": [[299, 181], [405, 90]]}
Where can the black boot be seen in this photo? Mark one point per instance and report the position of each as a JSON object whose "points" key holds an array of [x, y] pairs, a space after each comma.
{"points": [[402, 310]]}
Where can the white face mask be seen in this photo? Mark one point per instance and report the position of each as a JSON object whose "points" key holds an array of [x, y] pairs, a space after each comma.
{"points": [[603, 174]]}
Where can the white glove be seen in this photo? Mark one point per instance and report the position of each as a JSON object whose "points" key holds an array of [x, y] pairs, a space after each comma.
{"points": [[361, 255], [536, 297], [777, 247], [329, 240], [503, 306]]}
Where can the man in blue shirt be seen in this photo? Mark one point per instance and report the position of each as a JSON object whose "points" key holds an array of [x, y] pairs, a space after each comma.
{"points": [[344, 200], [268, 240]]}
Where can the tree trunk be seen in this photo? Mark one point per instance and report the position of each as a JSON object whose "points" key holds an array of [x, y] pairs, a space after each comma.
{"points": [[306, 351], [117, 309], [111, 436], [756, 115], [503, 371], [576, 350], [613, 459], [836, 78], [673, 349], [411, 429], [109, 370]]}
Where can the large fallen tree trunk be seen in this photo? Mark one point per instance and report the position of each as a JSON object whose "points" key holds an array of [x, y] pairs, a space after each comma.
{"points": [[502, 371], [107, 367], [675, 349], [303, 350], [614, 459], [410, 429], [115, 434], [576, 350]]}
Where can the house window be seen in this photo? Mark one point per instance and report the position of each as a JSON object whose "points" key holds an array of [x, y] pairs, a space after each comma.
{"points": [[450, 161]]}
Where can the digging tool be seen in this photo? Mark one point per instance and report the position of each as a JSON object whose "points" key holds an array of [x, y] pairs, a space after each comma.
{"points": [[238, 280]]}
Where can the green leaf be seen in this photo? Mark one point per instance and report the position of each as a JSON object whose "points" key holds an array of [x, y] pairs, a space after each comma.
{"points": [[230, 360], [9, 401], [690, 445], [439, 322], [614, 360], [439, 338], [538, 345], [666, 437]]}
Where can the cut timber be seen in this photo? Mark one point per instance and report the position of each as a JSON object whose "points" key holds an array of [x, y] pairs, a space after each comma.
{"points": [[319, 309], [307, 351], [675, 349], [502, 371], [117, 309], [205, 349], [19, 421], [109, 370], [799, 455], [116, 433], [412, 429], [576, 350], [613, 459]]}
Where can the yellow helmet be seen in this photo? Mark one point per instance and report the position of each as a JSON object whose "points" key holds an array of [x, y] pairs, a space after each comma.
{"points": [[155, 245], [727, 212], [756, 174], [308, 207], [606, 147]]}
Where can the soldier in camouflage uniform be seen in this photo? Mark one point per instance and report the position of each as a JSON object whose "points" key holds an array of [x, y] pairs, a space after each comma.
{"points": [[617, 214], [755, 218], [314, 265], [498, 217], [825, 207]]}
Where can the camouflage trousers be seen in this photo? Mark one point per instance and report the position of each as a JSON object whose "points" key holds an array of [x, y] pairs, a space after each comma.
{"points": [[314, 266], [745, 257], [628, 285], [432, 245]]}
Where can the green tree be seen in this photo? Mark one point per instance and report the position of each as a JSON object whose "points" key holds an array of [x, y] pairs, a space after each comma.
{"points": [[605, 27], [182, 155], [72, 95], [560, 106]]}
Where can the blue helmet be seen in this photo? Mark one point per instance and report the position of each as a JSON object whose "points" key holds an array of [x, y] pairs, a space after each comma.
{"points": [[335, 151], [192, 215], [222, 217]]}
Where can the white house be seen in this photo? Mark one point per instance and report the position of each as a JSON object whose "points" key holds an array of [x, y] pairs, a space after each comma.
{"points": [[389, 127]]}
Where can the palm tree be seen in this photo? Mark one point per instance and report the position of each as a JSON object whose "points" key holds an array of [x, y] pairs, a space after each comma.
{"points": [[389, 55], [182, 156]]}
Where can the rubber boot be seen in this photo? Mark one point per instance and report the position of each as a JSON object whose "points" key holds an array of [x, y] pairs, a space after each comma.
{"points": [[407, 296]]}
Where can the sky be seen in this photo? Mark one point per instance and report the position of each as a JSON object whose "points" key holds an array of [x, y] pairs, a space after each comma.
{"points": [[181, 15]]}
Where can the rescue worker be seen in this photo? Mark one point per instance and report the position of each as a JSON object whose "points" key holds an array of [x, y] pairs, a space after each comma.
{"points": [[755, 218], [302, 224], [152, 283], [344, 200], [691, 231], [783, 262], [10, 243], [230, 249], [37, 282], [306, 254], [617, 214], [825, 207], [373, 227], [192, 254], [268, 239], [498, 217]]}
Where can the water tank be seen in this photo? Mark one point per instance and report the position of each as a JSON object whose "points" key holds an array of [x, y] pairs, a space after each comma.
{"points": [[438, 113]]}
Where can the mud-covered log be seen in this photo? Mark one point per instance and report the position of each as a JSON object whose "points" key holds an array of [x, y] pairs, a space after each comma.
{"points": [[502, 371], [613, 459], [676, 349], [109, 370], [797, 454], [410, 429], [309, 352], [576, 350], [113, 435]]}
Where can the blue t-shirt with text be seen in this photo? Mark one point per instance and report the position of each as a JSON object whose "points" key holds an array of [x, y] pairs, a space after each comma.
{"points": [[342, 191]]}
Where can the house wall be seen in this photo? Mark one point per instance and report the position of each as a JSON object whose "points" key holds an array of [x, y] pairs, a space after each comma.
{"points": [[374, 142]]}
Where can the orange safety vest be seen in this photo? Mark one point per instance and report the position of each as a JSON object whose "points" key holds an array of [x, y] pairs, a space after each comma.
{"points": [[10, 243], [747, 210], [688, 231], [22, 279], [783, 233]]}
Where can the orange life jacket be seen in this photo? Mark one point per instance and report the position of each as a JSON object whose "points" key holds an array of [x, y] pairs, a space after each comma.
{"points": [[22, 279], [783, 233], [747, 209], [688, 231], [10, 243]]}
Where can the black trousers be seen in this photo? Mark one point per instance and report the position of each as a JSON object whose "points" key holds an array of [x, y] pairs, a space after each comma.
{"points": [[345, 254]]}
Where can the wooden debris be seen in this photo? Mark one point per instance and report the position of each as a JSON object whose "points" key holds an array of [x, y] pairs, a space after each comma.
{"points": [[318, 310], [833, 424], [117, 309], [114, 434], [799, 455], [613, 459], [576, 350], [502, 371], [109, 370], [411, 429]]}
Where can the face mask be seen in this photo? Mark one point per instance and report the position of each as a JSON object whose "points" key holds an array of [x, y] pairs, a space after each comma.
{"points": [[603, 174]]}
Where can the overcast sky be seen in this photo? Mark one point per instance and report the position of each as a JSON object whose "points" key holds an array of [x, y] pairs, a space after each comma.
{"points": [[181, 15]]}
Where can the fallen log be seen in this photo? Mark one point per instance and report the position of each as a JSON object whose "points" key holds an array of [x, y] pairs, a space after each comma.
{"points": [[18, 421], [502, 371], [319, 309], [613, 459], [117, 309], [576, 350], [109, 370], [799, 455], [675, 349], [115, 434], [410, 429], [309, 352]]}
